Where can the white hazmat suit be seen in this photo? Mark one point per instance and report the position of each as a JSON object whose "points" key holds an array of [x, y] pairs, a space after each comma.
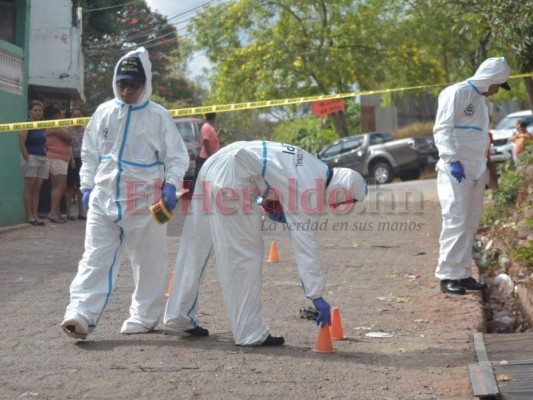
{"points": [[224, 215], [461, 134], [128, 152]]}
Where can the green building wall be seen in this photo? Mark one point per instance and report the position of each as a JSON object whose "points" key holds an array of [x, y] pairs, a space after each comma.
{"points": [[13, 108]]}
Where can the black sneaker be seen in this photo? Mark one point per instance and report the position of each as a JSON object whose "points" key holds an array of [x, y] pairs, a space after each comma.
{"points": [[273, 341], [198, 331], [472, 284]]}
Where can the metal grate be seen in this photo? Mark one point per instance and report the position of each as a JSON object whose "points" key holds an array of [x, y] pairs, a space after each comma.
{"points": [[11, 75]]}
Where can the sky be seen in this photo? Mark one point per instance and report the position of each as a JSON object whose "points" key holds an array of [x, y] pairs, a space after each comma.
{"points": [[172, 8]]}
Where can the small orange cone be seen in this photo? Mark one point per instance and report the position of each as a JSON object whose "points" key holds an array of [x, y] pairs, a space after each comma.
{"points": [[170, 282], [323, 342], [273, 256], [336, 325]]}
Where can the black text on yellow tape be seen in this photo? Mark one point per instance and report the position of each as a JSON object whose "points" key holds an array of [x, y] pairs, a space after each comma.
{"points": [[183, 112]]}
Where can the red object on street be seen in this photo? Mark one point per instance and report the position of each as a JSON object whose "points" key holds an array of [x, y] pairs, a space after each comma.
{"points": [[324, 107]]}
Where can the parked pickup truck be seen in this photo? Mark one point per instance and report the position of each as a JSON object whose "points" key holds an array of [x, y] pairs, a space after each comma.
{"points": [[376, 156]]}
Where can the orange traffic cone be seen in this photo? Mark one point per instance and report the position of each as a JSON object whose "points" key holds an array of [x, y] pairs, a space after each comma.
{"points": [[336, 325], [273, 256], [170, 282], [323, 342]]}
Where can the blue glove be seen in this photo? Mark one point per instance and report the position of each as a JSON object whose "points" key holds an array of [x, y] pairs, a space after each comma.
{"points": [[277, 216], [456, 168], [169, 196], [324, 310], [85, 198]]}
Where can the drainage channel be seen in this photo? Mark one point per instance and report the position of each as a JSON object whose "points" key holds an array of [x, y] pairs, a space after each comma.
{"points": [[503, 309]]}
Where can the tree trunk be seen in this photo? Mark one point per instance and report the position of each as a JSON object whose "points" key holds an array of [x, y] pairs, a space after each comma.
{"points": [[339, 121], [529, 90]]}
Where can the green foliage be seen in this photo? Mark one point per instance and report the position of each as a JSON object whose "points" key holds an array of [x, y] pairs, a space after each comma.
{"points": [[352, 114], [306, 133], [523, 252], [528, 223], [508, 189], [487, 28], [282, 49], [505, 196]]}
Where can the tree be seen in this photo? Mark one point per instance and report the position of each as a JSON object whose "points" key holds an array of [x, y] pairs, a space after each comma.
{"points": [[113, 27], [273, 49], [495, 27]]}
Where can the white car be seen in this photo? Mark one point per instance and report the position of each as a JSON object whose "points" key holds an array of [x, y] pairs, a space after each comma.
{"points": [[502, 147]]}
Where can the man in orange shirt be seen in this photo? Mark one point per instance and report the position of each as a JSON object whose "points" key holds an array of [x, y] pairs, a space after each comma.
{"points": [[209, 144]]}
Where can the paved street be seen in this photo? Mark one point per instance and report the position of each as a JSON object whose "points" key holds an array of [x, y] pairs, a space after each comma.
{"points": [[380, 274]]}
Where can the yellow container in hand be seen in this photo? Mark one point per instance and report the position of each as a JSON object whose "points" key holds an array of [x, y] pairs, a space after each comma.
{"points": [[160, 212]]}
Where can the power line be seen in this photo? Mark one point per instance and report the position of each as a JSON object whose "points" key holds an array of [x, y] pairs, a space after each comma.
{"points": [[115, 6], [93, 49]]}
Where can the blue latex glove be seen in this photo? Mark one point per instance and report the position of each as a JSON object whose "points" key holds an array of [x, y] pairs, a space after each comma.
{"points": [[85, 198], [456, 168], [169, 196], [324, 310], [277, 216]]}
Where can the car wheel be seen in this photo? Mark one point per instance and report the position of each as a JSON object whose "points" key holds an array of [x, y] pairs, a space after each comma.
{"points": [[382, 173]]}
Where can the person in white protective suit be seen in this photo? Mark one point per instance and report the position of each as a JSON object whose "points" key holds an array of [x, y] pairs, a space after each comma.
{"points": [[132, 156], [461, 134], [224, 214]]}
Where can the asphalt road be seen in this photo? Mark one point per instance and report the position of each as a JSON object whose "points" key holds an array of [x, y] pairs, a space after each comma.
{"points": [[380, 261]]}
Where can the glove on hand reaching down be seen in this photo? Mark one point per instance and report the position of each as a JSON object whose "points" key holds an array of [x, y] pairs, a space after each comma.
{"points": [[85, 199], [324, 310], [457, 171], [278, 217], [169, 196]]}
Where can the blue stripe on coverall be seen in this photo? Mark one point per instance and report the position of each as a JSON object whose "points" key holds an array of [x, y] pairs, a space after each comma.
{"points": [[477, 128], [473, 87], [193, 321], [110, 276], [120, 161], [121, 236]]}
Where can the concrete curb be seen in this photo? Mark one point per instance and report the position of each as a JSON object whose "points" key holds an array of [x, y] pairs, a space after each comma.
{"points": [[11, 228]]}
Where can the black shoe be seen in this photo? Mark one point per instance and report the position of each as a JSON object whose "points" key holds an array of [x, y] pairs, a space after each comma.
{"points": [[472, 284], [198, 331], [451, 286], [273, 341]]}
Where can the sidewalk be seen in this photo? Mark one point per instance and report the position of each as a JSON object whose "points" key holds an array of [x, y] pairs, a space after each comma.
{"points": [[380, 276]]}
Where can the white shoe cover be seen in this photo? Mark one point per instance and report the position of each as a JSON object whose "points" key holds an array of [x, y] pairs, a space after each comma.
{"points": [[131, 328], [75, 328]]}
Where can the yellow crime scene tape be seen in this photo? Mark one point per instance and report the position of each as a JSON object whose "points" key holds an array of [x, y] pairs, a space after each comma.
{"points": [[183, 112]]}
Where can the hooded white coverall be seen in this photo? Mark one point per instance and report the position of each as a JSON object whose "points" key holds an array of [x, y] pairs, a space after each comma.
{"points": [[461, 134], [128, 152], [224, 214]]}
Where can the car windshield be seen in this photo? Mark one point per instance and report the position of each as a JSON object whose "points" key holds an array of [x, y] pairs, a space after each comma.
{"points": [[510, 122], [186, 130]]}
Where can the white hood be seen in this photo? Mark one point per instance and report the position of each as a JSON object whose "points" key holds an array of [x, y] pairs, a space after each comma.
{"points": [[143, 55], [493, 71], [349, 179]]}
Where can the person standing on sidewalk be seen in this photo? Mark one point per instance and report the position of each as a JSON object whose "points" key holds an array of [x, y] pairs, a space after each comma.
{"points": [[131, 149], [209, 143], [296, 187], [73, 176], [35, 164], [461, 135], [59, 144]]}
